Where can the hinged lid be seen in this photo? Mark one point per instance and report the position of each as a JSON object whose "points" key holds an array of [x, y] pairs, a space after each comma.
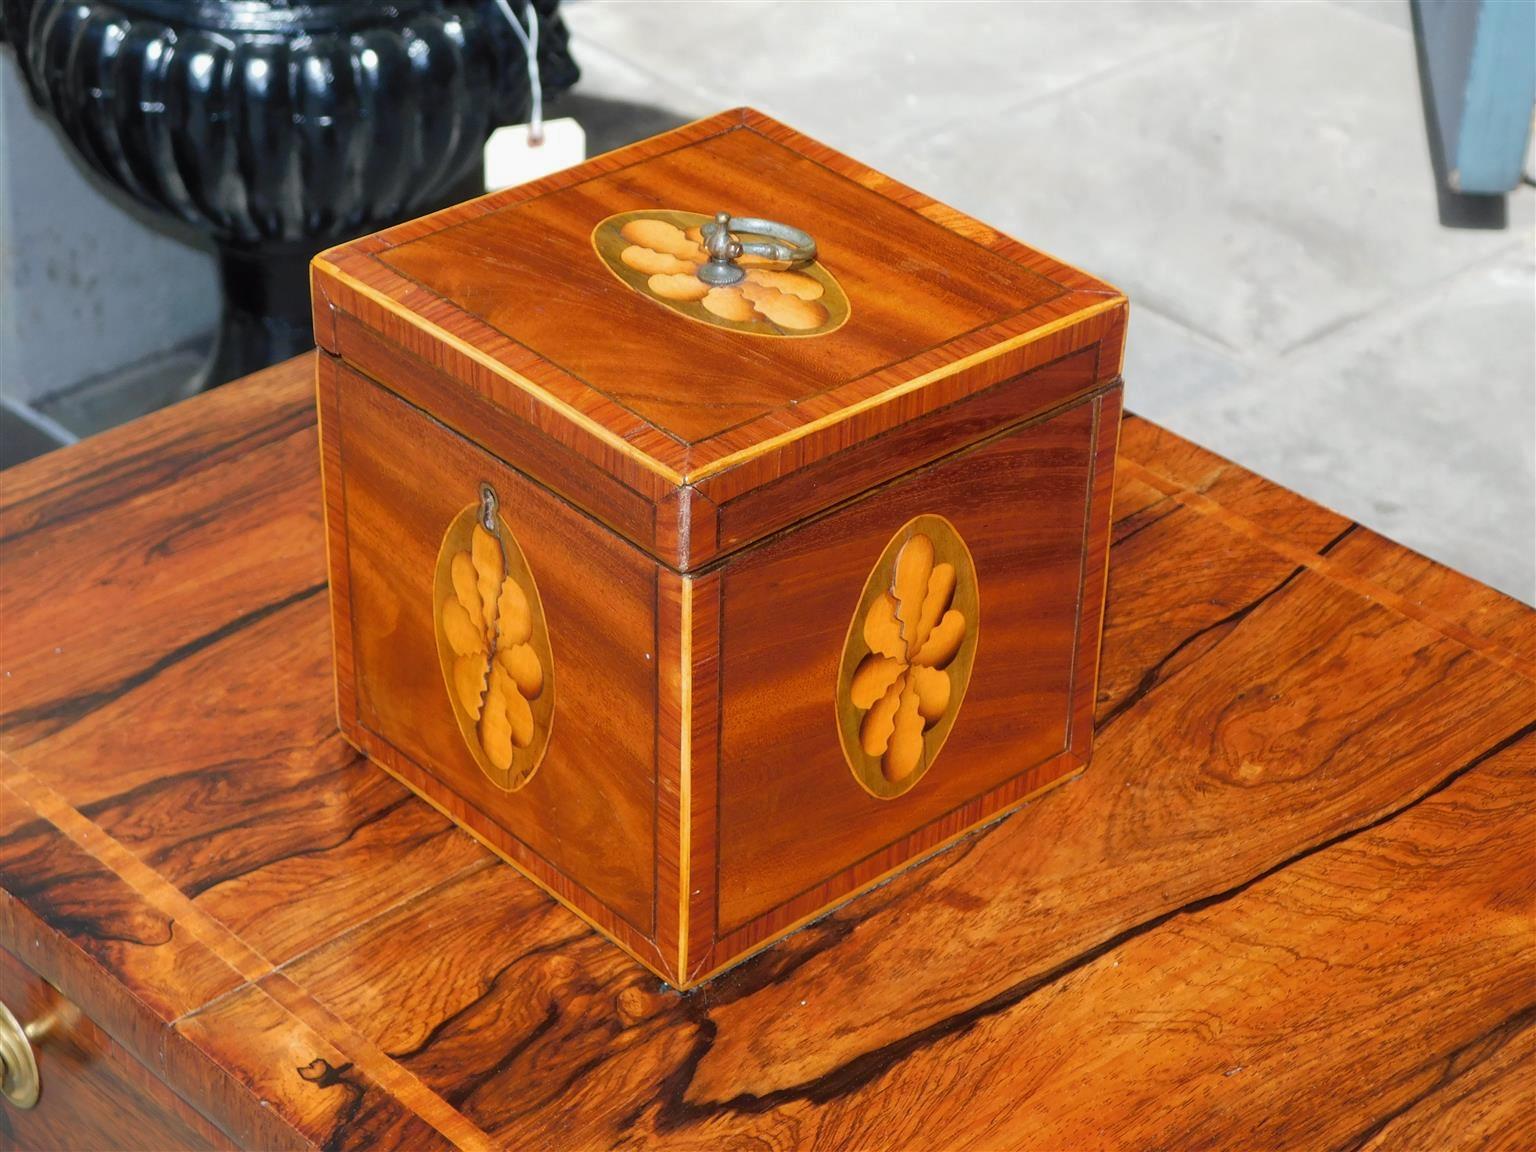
{"points": [[563, 326]]}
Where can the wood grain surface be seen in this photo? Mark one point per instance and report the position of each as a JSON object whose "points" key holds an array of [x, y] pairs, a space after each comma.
{"points": [[566, 305], [1289, 905]]}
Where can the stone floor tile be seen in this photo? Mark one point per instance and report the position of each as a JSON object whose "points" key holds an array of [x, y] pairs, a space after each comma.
{"points": [[1257, 186], [862, 75], [1173, 375], [1419, 421], [1395, 13]]}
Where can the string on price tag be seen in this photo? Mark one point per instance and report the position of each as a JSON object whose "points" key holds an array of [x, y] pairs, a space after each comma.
{"points": [[519, 153]]}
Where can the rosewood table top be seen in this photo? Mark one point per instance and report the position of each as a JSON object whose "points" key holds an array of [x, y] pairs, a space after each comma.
{"points": [[1289, 904]]}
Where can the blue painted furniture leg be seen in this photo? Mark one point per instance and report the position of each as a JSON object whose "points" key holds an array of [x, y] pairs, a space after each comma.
{"points": [[1481, 57]]}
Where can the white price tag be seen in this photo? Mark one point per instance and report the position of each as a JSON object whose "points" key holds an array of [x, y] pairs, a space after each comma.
{"points": [[510, 158]]}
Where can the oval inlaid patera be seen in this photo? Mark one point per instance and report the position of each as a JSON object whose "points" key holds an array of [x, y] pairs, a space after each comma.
{"points": [[908, 656], [493, 644], [658, 251]]}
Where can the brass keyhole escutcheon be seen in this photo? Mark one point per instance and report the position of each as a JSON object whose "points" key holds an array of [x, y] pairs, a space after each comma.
{"points": [[908, 656]]}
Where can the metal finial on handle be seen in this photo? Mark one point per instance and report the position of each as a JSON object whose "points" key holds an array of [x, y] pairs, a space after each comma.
{"points": [[725, 249]]}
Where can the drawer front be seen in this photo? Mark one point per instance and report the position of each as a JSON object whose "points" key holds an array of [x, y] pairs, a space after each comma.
{"points": [[94, 1094]]}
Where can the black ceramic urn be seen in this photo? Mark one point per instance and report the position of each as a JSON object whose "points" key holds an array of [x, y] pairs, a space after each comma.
{"points": [[278, 128]]}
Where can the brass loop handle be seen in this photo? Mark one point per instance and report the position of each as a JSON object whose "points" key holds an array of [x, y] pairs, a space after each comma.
{"points": [[789, 245], [20, 1082]]}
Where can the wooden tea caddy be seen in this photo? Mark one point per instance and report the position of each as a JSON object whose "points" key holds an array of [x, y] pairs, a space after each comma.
{"points": [[711, 584]]}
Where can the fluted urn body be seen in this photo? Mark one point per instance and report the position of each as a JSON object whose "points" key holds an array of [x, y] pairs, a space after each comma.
{"points": [[278, 128]]}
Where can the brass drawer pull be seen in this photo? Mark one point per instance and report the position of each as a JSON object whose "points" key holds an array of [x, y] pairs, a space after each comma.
{"points": [[19, 1079]]}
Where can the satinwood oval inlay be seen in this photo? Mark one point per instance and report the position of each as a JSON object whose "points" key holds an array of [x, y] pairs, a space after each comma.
{"points": [[908, 656], [493, 644], [658, 251]]}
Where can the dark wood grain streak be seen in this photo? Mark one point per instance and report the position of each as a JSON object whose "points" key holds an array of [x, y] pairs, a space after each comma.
{"points": [[49, 719], [134, 461], [244, 528], [837, 1106], [1494, 649], [873, 1064], [1290, 905], [1469, 1099]]}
